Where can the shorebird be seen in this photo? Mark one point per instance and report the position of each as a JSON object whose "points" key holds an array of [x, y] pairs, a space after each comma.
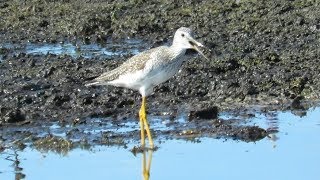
{"points": [[150, 68]]}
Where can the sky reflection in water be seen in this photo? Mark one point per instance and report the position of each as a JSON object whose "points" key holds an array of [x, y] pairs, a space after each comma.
{"points": [[294, 155]]}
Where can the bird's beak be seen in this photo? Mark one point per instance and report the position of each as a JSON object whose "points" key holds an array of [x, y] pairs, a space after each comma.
{"points": [[195, 44]]}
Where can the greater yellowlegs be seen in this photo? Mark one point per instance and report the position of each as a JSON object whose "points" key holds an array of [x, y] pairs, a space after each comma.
{"points": [[146, 70]]}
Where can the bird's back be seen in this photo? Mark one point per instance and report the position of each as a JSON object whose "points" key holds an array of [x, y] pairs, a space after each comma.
{"points": [[133, 64]]}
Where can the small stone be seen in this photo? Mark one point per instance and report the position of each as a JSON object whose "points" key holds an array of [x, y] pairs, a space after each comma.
{"points": [[14, 116]]}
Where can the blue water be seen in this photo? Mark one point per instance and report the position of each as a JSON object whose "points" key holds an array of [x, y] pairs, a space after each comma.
{"points": [[293, 154], [84, 50]]}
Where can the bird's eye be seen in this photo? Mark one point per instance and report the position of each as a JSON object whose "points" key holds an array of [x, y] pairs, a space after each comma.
{"points": [[182, 35]]}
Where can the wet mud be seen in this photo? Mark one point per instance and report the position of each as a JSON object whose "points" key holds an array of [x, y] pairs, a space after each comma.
{"points": [[262, 54]]}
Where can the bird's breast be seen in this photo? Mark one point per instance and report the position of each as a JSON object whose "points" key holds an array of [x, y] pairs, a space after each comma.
{"points": [[163, 72]]}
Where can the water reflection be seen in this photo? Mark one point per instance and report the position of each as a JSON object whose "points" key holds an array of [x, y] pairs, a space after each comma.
{"points": [[146, 164], [104, 163], [16, 164], [272, 123], [296, 156]]}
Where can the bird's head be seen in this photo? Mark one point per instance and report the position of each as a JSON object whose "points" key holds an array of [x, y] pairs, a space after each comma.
{"points": [[183, 38]]}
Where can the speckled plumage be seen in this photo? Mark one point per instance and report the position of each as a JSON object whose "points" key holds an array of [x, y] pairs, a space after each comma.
{"points": [[137, 62], [146, 70]]}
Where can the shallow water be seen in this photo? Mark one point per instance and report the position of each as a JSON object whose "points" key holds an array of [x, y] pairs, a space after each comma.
{"points": [[108, 49], [291, 153]]}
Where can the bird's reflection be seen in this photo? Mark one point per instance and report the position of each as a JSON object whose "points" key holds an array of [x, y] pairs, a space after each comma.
{"points": [[272, 122], [16, 165], [146, 164]]}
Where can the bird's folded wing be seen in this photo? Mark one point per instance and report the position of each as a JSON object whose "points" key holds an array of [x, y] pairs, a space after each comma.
{"points": [[135, 63]]}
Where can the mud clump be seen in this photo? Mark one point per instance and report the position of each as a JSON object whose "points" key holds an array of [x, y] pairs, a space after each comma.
{"points": [[249, 133], [52, 143], [208, 113], [13, 116]]}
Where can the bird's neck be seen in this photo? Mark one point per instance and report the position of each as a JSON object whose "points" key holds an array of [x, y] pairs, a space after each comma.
{"points": [[177, 50]]}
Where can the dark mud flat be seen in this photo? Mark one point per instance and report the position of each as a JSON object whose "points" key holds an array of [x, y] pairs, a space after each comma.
{"points": [[62, 138], [262, 54], [49, 90]]}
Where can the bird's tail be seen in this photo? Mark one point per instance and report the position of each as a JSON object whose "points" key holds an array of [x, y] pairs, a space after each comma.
{"points": [[96, 83]]}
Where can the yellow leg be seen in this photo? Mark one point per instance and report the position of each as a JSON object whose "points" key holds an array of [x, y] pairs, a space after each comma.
{"points": [[146, 166], [149, 160], [142, 126], [143, 118]]}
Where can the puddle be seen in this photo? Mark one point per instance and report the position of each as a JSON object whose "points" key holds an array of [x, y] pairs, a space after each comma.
{"points": [[293, 154], [84, 50]]}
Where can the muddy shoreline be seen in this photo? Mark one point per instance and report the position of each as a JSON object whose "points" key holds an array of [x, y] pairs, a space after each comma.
{"points": [[262, 54]]}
